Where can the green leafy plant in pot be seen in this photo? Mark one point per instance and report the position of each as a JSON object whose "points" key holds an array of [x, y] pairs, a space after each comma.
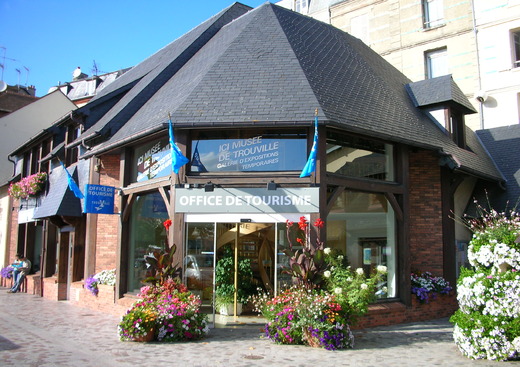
{"points": [[225, 282]]}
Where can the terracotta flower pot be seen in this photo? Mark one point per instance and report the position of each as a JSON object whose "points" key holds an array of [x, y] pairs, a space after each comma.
{"points": [[145, 338]]}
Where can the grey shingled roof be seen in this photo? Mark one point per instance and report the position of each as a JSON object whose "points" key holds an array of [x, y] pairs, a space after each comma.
{"points": [[503, 144], [440, 90], [274, 66], [60, 200]]}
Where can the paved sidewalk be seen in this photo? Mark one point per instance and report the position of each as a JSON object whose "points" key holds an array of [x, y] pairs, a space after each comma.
{"points": [[43, 333]]}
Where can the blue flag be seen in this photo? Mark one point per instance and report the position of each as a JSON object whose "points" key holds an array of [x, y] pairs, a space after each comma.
{"points": [[72, 184], [178, 159], [310, 166]]}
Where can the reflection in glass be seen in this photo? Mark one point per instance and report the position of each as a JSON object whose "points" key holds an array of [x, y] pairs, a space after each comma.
{"points": [[360, 158], [362, 226], [199, 260], [146, 234], [252, 153]]}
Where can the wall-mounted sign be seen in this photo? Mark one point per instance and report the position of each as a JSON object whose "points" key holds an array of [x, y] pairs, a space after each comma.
{"points": [[99, 199], [247, 200]]}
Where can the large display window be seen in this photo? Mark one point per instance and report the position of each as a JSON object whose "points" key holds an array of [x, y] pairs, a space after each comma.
{"points": [[254, 151], [362, 226], [357, 157], [146, 233]]}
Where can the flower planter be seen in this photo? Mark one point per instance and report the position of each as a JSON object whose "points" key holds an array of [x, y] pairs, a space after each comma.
{"points": [[229, 310], [145, 338], [311, 340]]}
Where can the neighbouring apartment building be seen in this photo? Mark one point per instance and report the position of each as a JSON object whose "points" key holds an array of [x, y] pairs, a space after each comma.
{"points": [[477, 42], [241, 90]]}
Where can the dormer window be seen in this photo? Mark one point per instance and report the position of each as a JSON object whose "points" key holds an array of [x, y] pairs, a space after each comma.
{"points": [[443, 100]]}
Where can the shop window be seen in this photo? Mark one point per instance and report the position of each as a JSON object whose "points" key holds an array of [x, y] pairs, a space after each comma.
{"points": [[362, 226], [146, 233], [359, 158], [248, 151], [436, 63], [152, 160], [515, 35], [433, 13]]}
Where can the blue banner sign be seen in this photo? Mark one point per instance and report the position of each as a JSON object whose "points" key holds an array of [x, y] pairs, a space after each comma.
{"points": [[99, 199]]}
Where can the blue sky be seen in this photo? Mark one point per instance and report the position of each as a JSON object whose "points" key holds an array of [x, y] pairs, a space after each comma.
{"points": [[51, 38]]}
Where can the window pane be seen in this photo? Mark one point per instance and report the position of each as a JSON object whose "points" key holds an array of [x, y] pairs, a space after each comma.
{"points": [[146, 234], [362, 226], [433, 13], [516, 45], [252, 153], [361, 158], [198, 263], [437, 63], [152, 160]]}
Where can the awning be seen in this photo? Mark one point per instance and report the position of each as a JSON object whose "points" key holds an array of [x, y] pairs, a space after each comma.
{"points": [[60, 200]]}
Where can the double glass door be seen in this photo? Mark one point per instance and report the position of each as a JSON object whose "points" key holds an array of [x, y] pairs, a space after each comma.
{"points": [[227, 262]]}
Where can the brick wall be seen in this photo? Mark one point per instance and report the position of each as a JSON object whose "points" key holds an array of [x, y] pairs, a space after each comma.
{"points": [[426, 244], [397, 313], [107, 225]]}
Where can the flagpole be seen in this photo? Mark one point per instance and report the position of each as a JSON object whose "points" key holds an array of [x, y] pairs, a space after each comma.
{"points": [[171, 148], [315, 117]]}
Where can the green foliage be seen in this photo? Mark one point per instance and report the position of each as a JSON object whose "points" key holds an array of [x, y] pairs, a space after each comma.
{"points": [[225, 279], [160, 266], [354, 291], [306, 259]]}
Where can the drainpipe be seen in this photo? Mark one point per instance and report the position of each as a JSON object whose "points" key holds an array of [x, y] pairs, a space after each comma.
{"points": [[475, 32]]}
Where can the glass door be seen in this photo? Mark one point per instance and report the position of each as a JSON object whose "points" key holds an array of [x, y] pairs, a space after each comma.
{"points": [[227, 262]]}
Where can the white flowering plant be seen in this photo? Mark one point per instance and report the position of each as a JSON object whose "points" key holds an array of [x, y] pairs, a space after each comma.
{"points": [[487, 324], [353, 289]]}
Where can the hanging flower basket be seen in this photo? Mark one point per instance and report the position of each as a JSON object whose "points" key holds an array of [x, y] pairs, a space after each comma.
{"points": [[28, 186]]}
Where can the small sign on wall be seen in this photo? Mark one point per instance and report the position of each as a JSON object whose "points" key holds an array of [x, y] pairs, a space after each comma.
{"points": [[99, 199]]}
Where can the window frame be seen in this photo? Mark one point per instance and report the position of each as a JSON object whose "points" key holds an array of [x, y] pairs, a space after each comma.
{"points": [[431, 55], [515, 48], [429, 6]]}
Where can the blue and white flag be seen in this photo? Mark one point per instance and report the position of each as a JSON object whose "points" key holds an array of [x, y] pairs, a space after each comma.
{"points": [[310, 166], [178, 159], [73, 186]]}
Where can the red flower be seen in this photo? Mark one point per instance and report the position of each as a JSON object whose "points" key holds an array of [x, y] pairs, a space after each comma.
{"points": [[299, 240], [319, 223], [289, 223], [302, 223], [167, 224]]}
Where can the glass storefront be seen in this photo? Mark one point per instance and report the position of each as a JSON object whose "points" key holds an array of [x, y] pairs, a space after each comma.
{"points": [[362, 226], [146, 231], [228, 151], [213, 249], [356, 157]]}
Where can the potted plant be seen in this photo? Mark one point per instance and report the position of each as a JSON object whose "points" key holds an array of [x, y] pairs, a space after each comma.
{"points": [[225, 282]]}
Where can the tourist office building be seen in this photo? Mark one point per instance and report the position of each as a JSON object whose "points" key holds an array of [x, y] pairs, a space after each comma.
{"points": [[249, 93]]}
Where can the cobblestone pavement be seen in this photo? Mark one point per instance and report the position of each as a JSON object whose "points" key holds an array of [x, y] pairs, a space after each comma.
{"points": [[38, 332]]}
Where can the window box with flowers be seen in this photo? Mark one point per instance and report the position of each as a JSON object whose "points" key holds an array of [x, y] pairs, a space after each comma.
{"points": [[28, 186]]}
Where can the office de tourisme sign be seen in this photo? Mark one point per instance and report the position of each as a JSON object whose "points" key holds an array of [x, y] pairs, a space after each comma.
{"points": [[247, 200]]}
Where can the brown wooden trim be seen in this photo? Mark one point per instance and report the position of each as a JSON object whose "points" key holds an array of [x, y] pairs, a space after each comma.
{"points": [[403, 228], [167, 202], [332, 198], [395, 206], [128, 207]]}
